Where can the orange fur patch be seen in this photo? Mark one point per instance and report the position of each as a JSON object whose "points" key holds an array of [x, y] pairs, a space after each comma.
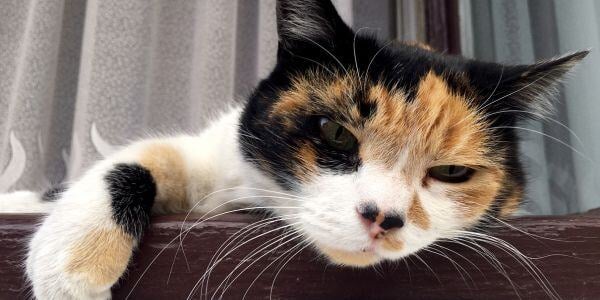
{"points": [[101, 257], [391, 244], [417, 214], [168, 169], [438, 126], [477, 194], [387, 129], [420, 45], [512, 203], [307, 162], [335, 93], [451, 132], [349, 258], [293, 100]]}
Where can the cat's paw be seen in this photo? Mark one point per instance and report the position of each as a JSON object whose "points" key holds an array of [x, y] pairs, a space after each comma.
{"points": [[78, 253], [68, 263], [85, 244]]}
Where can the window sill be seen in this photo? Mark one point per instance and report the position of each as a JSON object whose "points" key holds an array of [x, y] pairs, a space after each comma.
{"points": [[568, 255]]}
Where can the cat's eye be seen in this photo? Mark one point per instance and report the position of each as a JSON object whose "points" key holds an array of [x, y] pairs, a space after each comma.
{"points": [[336, 135], [451, 173]]}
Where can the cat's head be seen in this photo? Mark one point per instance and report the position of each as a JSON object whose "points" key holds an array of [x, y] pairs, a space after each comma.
{"points": [[388, 146]]}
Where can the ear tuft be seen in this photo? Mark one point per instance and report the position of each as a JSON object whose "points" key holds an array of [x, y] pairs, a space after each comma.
{"points": [[559, 66], [526, 88], [536, 85], [306, 20]]}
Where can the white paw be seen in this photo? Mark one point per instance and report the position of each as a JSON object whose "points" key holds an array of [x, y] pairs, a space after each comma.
{"points": [[49, 274], [78, 252]]}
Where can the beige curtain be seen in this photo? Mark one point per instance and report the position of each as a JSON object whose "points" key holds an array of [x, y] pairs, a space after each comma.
{"points": [[79, 78]]}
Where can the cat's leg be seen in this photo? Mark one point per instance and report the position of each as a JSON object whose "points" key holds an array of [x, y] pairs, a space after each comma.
{"points": [[85, 244]]}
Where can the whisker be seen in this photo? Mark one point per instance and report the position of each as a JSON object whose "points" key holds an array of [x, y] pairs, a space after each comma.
{"points": [[377, 270], [221, 205], [331, 54], [253, 253], [373, 59], [542, 117], [218, 257], [550, 137], [283, 266], [459, 255], [516, 91], [276, 242], [220, 191], [354, 52], [521, 258], [499, 221], [189, 229], [250, 229], [268, 266], [416, 255], [534, 236], [491, 259], [200, 219], [237, 199], [232, 189], [479, 110], [483, 252], [408, 269], [204, 279], [311, 60], [455, 264], [495, 89]]}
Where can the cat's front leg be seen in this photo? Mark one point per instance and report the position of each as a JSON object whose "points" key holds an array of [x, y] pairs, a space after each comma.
{"points": [[84, 246]]}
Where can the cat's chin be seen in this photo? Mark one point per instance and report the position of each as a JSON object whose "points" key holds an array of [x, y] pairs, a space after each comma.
{"points": [[351, 258]]}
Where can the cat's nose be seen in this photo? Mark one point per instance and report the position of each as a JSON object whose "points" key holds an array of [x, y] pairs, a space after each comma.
{"points": [[369, 212], [385, 221], [391, 221]]}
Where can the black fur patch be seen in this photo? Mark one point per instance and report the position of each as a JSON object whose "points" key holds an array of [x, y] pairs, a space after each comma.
{"points": [[132, 190], [54, 193]]}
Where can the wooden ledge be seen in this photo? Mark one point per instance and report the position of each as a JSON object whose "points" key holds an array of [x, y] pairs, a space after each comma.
{"points": [[567, 251]]}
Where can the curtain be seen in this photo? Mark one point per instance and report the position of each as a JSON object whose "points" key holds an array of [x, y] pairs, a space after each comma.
{"points": [[561, 153], [79, 78]]}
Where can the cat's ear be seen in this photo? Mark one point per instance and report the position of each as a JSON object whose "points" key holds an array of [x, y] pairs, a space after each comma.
{"points": [[525, 90], [308, 22]]}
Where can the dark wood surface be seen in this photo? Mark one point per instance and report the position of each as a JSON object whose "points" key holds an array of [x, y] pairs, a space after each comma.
{"points": [[565, 248]]}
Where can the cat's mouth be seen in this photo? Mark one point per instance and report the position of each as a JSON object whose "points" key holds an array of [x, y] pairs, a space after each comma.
{"points": [[367, 256]]}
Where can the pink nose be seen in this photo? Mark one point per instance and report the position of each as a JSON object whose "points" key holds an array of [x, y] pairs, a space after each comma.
{"points": [[371, 215]]}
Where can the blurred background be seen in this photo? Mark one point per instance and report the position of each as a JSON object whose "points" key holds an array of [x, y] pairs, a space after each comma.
{"points": [[79, 78]]}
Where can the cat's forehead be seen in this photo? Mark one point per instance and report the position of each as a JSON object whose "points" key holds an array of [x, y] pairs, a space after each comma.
{"points": [[436, 124]]}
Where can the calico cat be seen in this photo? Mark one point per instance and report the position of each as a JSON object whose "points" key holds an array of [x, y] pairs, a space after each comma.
{"points": [[371, 150]]}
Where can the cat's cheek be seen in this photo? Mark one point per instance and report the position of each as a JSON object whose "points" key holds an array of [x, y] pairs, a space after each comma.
{"points": [[444, 213], [414, 239], [333, 228], [328, 213]]}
